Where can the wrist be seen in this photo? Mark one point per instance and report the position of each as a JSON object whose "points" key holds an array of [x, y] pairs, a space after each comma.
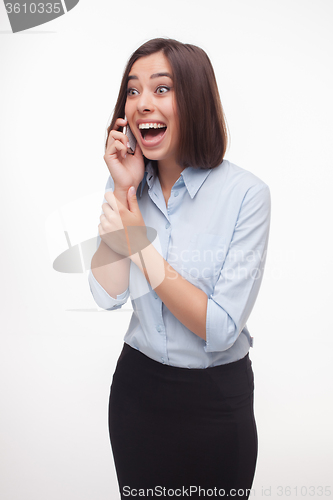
{"points": [[151, 264], [121, 195], [138, 243], [124, 189]]}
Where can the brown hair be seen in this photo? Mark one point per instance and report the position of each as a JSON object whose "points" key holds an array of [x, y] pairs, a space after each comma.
{"points": [[203, 131]]}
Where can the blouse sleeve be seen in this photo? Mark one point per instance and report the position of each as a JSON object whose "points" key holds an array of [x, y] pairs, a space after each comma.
{"points": [[237, 287], [102, 298], [100, 295]]}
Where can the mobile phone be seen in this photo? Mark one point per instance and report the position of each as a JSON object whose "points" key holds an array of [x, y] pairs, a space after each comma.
{"points": [[131, 139]]}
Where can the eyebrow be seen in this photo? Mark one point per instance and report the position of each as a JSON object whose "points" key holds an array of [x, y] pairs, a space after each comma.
{"points": [[155, 75]]}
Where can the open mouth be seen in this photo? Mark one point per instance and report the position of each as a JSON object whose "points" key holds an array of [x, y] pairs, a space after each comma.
{"points": [[152, 132]]}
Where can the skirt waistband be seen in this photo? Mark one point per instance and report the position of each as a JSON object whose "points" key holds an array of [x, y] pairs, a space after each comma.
{"points": [[149, 363], [162, 382]]}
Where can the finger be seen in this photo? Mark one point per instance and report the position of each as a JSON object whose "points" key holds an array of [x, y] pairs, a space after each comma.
{"points": [[116, 134], [101, 230], [114, 203], [111, 204], [107, 225], [115, 148], [108, 211], [103, 219], [120, 122], [121, 148], [119, 136], [111, 136], [111, 141]]}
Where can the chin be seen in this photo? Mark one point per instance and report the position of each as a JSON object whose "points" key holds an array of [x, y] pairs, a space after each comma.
{"points": [[152, 155]]}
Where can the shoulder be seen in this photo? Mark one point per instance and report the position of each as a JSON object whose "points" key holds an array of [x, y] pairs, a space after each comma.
{"points": [[238, 186], [231, 175]]}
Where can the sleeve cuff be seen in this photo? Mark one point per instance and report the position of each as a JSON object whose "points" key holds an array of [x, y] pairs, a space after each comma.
{"points": [[221, 332], [102, 298]]}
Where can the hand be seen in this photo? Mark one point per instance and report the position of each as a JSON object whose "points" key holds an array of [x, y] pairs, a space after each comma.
{"points": [[123, 230], [126, 170]]}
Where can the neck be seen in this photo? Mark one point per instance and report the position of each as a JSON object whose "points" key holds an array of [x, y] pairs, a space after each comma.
{"points": [[168, 173]]}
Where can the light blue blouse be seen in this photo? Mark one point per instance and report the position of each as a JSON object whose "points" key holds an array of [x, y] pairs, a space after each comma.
{"points": [[214, 232]]}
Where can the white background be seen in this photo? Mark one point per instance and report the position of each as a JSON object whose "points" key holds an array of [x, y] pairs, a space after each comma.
{"points": [[59, 82]]}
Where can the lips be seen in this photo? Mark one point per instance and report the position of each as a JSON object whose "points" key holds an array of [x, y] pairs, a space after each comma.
{"points": [[152, 133]]}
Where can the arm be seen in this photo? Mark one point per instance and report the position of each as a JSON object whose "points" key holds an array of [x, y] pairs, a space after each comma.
{"points": [[237, 287], [172, 288], [109, 269], [174, 291], [219, 318], [113, 277]]}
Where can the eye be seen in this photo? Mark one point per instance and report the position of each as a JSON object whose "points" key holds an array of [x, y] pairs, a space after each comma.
{"points": [[132, 91], [162, 89]]}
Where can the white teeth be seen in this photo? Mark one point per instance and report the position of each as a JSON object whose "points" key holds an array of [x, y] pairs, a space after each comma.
{"points": [[151, 125]]}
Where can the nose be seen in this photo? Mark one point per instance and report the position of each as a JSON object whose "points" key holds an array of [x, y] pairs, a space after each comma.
{"points": [[145, 103]]}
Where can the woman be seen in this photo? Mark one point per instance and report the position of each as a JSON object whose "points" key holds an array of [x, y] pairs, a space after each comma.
{"points": [[181, 404]]}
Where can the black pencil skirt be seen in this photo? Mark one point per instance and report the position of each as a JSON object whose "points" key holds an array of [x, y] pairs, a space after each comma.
{"points": [[179, 432]]}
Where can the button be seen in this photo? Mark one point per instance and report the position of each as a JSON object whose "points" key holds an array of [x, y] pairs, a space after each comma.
{"points": [[162, 359], [155, 296], [167, 225], [176, 193], [158, 328]]}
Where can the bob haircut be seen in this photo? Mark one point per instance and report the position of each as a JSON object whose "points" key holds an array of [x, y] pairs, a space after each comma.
{"points": [[203, 131]]}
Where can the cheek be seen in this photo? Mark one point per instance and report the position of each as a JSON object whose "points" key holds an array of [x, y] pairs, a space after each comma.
{"points": [[129, 114], [129, 109], [174, 114]]}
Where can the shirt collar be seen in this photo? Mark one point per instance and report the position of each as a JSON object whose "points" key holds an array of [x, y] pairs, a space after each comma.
{"points": [[192, 177], [149, 171]]}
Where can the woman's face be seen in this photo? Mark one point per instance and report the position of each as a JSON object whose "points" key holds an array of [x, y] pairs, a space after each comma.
{"points": [[151, 107]]}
